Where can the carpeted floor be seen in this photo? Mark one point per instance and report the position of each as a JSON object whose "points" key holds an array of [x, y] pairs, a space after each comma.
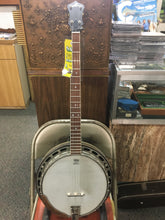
{"points": [[17, 128]]}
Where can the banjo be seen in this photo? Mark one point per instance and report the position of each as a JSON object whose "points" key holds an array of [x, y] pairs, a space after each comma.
{"points": [[74, 178]]}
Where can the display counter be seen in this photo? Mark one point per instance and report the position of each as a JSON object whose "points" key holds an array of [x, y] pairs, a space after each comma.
{"points": [[139, 140], [128, 79]]}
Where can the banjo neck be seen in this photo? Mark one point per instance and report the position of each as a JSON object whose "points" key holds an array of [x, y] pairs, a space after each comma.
{"points": [[75, 22], [75, 96]]}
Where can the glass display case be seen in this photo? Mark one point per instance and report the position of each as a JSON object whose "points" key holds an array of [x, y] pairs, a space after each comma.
{"points": [[145, 85]]}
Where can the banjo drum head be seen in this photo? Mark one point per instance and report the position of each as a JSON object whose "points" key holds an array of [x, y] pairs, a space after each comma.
{"points": [[74, 180]]}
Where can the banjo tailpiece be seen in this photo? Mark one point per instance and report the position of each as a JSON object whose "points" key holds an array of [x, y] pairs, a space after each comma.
{"points": [[75, 212]]}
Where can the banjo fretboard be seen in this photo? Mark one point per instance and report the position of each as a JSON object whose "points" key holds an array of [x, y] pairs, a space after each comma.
{"points": [[75, 96]]}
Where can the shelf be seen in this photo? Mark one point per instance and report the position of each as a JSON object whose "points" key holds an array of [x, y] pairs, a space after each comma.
{"points": [[138, 121], [154, 73]]}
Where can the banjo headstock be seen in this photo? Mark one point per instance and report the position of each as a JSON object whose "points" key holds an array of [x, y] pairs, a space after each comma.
{"points": [[75, 16]]}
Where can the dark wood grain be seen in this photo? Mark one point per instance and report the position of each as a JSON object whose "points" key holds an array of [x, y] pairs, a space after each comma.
{"points": [[46, 28], [140, 152], [51, 95]]}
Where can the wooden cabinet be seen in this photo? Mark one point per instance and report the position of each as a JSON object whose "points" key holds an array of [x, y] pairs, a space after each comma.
{"points": [[51, 96], [46, 28], [14, 88]]}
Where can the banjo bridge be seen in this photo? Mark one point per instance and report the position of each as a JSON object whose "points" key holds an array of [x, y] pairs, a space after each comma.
{"points": [[76, 194]]}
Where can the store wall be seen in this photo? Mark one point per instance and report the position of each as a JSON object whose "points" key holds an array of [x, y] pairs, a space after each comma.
{"points": [[6, 17]]}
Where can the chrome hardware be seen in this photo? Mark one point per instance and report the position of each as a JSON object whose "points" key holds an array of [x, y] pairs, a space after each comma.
{"points": [[75, 194], [75, 211]]}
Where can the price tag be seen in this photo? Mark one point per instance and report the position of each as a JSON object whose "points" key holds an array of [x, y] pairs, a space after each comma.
{"points": [[67, 70]]}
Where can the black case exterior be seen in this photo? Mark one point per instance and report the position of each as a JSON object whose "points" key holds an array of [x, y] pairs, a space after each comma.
{"points": [[141, 195]]}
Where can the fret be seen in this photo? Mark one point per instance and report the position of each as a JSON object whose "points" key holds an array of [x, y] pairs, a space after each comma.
{"points": [[77, 131], [74, 113], [75, 90], [76, 147], [76, 136], [73, 140], [74, 99], [75, 106], [75, 96]]}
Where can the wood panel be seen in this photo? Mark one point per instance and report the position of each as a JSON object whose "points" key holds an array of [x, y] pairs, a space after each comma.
{"points": [[9, 2], [46, 28], [7, 52], [52, 98], [140, 152], [10, 85], [94, 98]]}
